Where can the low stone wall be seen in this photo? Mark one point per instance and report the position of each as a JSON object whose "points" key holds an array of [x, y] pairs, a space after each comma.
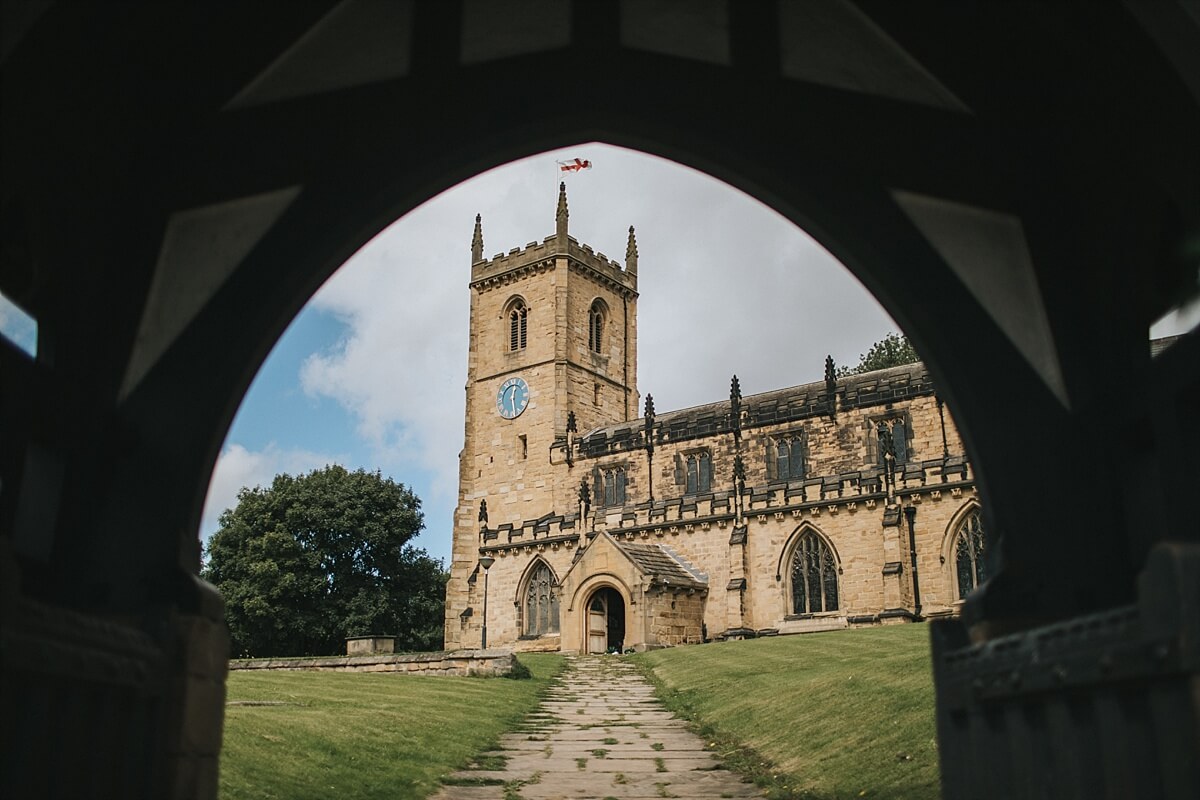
{"points": [[455, 662]]}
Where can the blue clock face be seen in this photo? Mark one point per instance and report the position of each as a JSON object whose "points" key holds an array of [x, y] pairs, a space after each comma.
{"points": [[512, 398]]}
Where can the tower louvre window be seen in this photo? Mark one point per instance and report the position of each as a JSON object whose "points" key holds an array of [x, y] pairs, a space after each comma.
{"points": [[518, 325], [596, 327]]}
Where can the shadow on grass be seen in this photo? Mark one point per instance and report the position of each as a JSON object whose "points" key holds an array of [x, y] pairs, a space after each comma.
{"points": [[753, 765]]}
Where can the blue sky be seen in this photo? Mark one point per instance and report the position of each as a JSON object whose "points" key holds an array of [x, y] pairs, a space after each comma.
{"points": [[17, 326], [371, 373]]}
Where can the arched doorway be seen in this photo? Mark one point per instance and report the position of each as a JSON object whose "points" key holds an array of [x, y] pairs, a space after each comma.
{"points": [[605, 621]]}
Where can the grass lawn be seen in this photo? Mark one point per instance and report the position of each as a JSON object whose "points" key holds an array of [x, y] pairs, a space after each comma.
{"points": [[844, 714], [364, 735]]}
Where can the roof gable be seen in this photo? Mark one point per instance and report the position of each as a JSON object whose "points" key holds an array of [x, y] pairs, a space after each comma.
{"points": [[658, 563]]}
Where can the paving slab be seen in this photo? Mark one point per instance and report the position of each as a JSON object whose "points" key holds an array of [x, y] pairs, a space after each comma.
{"points": [[600, 733]]}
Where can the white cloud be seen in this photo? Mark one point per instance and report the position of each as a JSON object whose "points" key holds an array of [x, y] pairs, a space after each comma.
{"points": [[238, 467], [727, 285]]}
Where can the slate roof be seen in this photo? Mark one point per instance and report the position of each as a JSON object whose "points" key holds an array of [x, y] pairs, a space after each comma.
{"points": [[663, 565], [768, 408]]}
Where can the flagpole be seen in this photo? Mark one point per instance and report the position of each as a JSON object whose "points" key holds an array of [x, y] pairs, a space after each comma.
{"points": [[568, 168]]}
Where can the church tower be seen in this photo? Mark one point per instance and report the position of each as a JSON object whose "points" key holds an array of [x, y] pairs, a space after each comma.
{"points": [[553, 351]]}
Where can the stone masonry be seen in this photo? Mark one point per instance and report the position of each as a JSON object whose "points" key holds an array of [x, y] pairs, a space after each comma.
{"points": [[875, 479]]}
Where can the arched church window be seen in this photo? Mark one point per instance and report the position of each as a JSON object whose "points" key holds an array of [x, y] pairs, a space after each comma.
{"points": [[699, 472], [892, 436], [970, 548], [785, 457], [541, 602], [518, 324], [595, 327], [814, 576], [610, 488]]}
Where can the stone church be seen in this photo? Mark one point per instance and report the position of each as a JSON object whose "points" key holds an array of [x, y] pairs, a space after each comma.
{"points": [[606, 525]]}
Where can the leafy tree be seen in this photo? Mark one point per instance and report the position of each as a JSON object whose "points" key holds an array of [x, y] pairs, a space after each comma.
{"points": [[316, 558], [891, 351]]}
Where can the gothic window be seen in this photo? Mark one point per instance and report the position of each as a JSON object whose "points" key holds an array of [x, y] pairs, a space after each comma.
{"points": [[891, 432], [785, 457], [596, 327], [970, 547], [814, 576], [518, 325], [699, 472], [610, 487], [541, 602]]}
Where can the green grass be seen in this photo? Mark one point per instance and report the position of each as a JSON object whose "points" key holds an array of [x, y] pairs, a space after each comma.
{"points": [[844, 714], [364, 735]]}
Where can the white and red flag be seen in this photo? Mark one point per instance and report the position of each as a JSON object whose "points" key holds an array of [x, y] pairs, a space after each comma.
{"points": [[575, 165]]}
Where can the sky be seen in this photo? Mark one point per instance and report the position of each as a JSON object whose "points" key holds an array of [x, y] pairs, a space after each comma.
{"points": [[18, 326], [372, 372]]}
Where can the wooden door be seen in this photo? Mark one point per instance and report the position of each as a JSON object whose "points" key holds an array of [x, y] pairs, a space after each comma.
{"points": [[598, 624]]}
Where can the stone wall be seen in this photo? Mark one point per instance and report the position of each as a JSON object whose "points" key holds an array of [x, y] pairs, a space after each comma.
{"points": [[844, 498], [674, 617], [367, 645], [509, 462], [529, 470], [459, 662]]}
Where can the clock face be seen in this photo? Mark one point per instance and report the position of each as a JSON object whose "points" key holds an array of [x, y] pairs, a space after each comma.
{"points": [[512, 398]]}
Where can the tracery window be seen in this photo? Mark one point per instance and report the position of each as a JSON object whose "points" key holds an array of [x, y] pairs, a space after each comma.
{"points": [[610, 486], [785, 457], [893, 433], [970, 548], [518, 325], [699, 472], [814, 576], [595, 327], [541, 602]]}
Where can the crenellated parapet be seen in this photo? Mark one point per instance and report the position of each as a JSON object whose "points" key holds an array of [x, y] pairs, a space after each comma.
{"points": [[828, 495], [536, 257], [780, 406], [519, 262], [601, 267], [554, 529]]}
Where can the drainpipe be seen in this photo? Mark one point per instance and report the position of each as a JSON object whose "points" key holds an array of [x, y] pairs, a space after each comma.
{"points": [[910, 514]]}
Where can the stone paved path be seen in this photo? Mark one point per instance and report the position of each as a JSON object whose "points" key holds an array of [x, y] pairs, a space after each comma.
{"points": [[600, 733]]}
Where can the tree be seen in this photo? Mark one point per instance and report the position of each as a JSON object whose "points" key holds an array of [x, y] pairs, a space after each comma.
{"points": [[891, 351], [316, 558]]}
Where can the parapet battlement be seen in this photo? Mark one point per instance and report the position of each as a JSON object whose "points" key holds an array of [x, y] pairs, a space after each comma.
{"points": [[863, 490], [536, 253], [541, 255], [762, 410]]}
